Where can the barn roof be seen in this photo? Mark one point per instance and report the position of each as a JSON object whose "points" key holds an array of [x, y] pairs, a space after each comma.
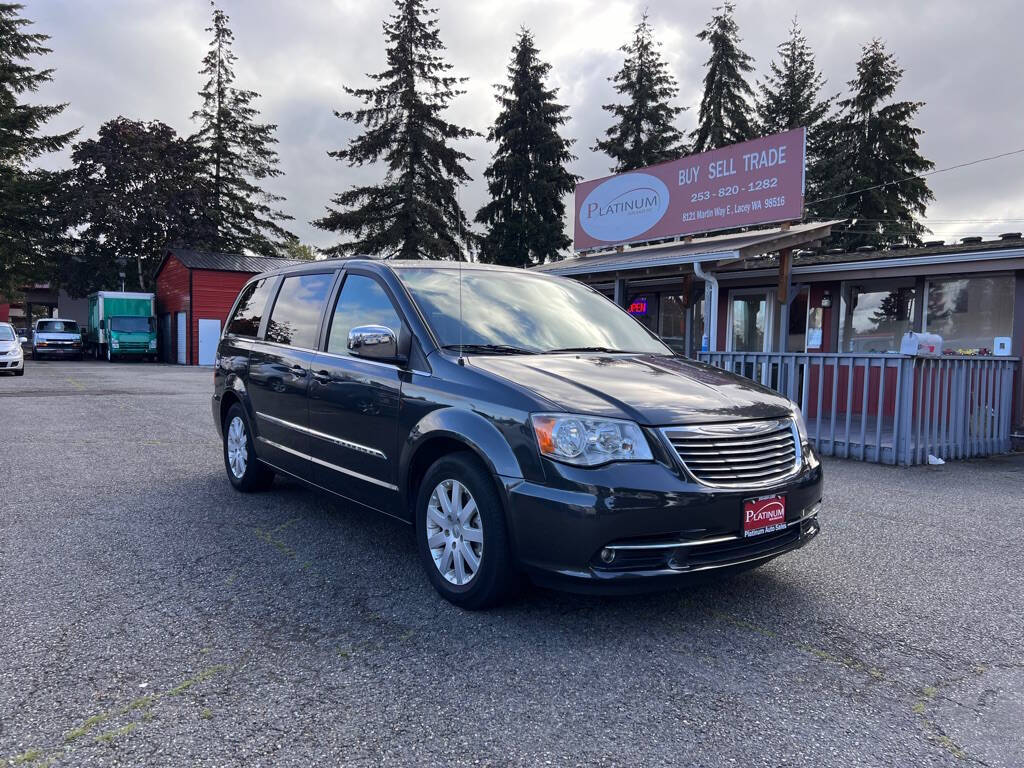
{"points": [[227, 262]]}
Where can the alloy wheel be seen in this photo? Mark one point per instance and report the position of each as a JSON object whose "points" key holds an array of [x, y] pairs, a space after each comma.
{"points": [[238, 452], [455, 534]]}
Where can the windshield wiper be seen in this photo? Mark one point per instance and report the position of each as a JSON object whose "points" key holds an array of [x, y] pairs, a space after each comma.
{"points": [[586, 349], [488, 349]]}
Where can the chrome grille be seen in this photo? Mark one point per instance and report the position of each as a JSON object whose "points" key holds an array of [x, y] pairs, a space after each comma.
{"points": [[743, 454]]}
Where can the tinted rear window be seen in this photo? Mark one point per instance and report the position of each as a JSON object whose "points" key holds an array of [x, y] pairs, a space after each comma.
{"points": [[297, 310], [247, 318], [57, 326]]}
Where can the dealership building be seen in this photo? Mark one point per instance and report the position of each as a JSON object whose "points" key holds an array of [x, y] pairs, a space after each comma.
{"points": [[826, 327]]}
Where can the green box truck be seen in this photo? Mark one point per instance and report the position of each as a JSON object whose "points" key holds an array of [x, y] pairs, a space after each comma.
{"points": [[122, 325]]}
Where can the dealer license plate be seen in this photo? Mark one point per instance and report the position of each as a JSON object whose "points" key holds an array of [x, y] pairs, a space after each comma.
{"points": [[764, 515]]}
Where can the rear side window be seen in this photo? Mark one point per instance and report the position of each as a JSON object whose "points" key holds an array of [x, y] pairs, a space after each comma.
{"points": [[297, 310], [247, 318], [362, 301]]}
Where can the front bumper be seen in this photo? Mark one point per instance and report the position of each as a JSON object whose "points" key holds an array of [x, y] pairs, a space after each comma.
{"points": [[8, 364], [61, 351], [660, 524], [134, 350]]}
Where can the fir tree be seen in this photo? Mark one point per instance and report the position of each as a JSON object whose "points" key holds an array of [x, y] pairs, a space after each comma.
{"points": [[872, 160], [644, 132], [790, 98], [238, 153], [527, 178], [33, 216], [725, 108], [414, 213]]}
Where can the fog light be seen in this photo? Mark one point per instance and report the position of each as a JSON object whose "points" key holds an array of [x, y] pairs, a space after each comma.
{"points": [[607, 555]]}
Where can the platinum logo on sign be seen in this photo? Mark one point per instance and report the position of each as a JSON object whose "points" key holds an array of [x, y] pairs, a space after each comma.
{"points": [[623, 207]]}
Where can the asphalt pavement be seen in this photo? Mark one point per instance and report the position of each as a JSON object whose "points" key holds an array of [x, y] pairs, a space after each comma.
{"points": [[151, 616]]}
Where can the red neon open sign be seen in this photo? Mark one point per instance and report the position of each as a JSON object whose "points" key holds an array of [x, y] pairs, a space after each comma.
{"points": [[638, 306]]}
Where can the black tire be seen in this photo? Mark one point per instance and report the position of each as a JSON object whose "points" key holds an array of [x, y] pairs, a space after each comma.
{"points": [[257, 475], [20, 372], [497, 577]]}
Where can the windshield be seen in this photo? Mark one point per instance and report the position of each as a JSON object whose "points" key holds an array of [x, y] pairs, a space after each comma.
{"points": [[131, 324], [6, 333], [57, 326], [523, 311]]}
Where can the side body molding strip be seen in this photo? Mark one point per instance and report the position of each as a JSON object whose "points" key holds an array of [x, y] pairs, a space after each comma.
{"points": [[327, 464], [324, 436]]}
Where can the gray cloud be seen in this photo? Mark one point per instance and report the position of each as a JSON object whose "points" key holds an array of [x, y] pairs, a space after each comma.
{"points": [[139, 58]]}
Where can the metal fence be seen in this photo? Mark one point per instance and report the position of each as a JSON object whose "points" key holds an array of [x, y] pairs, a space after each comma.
{"points": [[890, 408]]}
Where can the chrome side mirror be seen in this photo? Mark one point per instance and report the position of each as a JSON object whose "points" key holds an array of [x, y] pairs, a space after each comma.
{"points": [[23, 339], [374, 342]]}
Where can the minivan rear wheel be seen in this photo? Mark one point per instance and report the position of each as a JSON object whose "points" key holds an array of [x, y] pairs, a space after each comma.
{"points": [[245, 471], [461, 534]]}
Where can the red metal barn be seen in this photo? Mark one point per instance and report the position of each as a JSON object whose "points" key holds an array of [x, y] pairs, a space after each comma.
{"points": [[194, 294]]}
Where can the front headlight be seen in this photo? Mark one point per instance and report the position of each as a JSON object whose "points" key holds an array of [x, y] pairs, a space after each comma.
{"points": [[801, 425], [587, 440], [152, 343], [114, 344]]}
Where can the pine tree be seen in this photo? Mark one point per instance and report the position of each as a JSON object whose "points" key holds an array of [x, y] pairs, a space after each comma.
{"points": [[644, 132], [527, 178], [414, 213], [790, 98], [238, 153], [33, 216], [872, 166], [725, 107]]}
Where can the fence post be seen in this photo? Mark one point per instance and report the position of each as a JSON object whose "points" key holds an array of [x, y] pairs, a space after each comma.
{"points": [[903, 424], [1006, 406]]}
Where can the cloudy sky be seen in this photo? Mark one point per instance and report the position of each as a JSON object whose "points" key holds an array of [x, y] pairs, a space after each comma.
{"points": [[139, 58]]}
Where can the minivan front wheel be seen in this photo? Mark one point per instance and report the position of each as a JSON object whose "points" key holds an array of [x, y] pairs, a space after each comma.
{"points": [[461, 535], [245, 471]]}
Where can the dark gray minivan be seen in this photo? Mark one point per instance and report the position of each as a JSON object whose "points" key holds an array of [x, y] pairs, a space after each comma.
{"points": [[524, 424]]}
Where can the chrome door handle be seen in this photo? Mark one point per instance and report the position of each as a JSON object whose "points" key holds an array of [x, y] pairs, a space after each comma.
{"points": [[298, 370], [322, 376]]}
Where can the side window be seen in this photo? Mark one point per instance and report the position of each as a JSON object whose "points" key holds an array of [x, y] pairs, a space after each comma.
{"points": [[247, 318], [362, 301], [296, 312]]}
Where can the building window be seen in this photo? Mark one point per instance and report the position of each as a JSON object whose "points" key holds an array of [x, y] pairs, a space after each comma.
{"points": [[697, 330], [644, 307], [749, 324], [796, 337], [969, 313], [876, 314], [673, 322]]}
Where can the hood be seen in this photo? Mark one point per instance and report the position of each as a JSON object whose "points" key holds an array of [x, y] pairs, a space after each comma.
{"points": [[51, 336], [650, 389], [7, 346]]}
